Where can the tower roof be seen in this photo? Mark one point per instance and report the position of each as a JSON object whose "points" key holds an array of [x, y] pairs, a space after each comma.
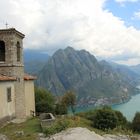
{"points": [[12, 78], [12, 31], [7, 78], [29, 77]]}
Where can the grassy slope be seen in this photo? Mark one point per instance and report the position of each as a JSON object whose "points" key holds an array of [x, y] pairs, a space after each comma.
{"points": [[31, 127]]}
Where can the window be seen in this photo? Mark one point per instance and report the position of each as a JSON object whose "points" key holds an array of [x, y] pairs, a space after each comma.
{"points": [[2, 51], [18, 51], [9, 98]]}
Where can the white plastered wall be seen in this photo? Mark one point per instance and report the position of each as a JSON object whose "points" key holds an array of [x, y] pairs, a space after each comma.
{"points": [[29, 97], [7, 108]]}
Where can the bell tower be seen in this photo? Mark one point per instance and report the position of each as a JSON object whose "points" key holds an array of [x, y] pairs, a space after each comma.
{"points": [[11, 64]]}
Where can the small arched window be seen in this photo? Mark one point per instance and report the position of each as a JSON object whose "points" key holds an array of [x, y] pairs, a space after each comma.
{"points": [[18, 51], [2, 51]]}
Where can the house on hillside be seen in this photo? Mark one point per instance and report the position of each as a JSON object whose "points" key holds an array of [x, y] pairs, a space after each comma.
{"points": [[16, 88]]}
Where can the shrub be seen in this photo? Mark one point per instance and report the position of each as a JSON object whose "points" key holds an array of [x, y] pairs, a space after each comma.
{"points": [[105, 119], [57, 127], [87, 115], [136, 122], [121, 120], [103, 115], [44, 101], [69, 99], [60, 109]]}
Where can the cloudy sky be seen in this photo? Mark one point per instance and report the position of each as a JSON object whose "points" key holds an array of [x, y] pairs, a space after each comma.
{"points": [[109, 29]]}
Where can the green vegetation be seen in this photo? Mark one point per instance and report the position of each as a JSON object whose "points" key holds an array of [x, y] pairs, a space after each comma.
{"points": [[61, 109], [101, 120], [105, 119], [121, 120], [136, 123], [65, 122], [69, 100], [44, 101], [30, 129]]}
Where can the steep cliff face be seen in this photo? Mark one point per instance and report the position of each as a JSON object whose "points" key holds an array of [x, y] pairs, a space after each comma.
{"points": [[79, 71]]}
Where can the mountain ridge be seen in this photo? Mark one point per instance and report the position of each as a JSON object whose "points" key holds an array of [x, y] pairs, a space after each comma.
{"points": [[82, 73]]}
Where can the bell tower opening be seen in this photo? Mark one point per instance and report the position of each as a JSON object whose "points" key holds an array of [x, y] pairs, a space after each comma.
{"points": [[18, 51], [2, 51]]}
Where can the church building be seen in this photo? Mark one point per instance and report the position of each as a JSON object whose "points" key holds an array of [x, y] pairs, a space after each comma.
{"points": [[16, 88]]}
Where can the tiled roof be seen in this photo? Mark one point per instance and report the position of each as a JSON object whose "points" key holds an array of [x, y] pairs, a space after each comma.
{"points": [[29, 77], [10, 78], [7, 78]]}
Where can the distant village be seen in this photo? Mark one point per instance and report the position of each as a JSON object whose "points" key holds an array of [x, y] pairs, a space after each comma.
{"points": [[90, 101]]}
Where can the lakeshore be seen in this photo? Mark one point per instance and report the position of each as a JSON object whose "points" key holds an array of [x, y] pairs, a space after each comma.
{"points": [[128, 108]]}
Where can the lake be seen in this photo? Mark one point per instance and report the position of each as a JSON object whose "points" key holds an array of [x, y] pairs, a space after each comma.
{"points": [[128, 109]]}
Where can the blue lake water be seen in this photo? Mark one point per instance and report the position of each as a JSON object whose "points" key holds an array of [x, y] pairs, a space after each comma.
{"points": [[128, 109]]}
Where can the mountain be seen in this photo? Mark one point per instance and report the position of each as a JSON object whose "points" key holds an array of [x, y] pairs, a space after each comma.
{"points": [[80, 71], [129, 74], [136, 68], [34, 60]]}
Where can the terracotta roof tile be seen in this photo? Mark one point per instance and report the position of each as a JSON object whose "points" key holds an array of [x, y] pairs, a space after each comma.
{"points": [[29, 77], [11, 78], [7, 78]]}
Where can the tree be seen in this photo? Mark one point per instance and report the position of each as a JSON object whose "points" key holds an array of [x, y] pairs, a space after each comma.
{"points": [[60, 109], [105, 118], [44, 101], [136, 122], [121, 120], [69, 99]]}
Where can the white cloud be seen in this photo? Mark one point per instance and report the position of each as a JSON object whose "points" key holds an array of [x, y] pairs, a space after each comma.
{"points": [[83, 24], [130, 62], [137, 15]]}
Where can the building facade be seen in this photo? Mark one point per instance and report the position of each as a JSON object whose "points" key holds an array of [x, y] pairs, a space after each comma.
{"points": [[16, 88]]}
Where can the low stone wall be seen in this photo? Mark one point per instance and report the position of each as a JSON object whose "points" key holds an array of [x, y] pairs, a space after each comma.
{"points": [[47, 119]]}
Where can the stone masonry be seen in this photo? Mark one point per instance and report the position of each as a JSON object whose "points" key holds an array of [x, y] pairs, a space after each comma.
{"points": [[14, 67]]}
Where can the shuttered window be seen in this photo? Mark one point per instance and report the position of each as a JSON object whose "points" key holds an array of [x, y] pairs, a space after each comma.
{"points": [[9, 98]]}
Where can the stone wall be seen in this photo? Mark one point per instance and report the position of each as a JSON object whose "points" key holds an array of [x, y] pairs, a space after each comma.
{"points": [[12, 67], [11, 39]]}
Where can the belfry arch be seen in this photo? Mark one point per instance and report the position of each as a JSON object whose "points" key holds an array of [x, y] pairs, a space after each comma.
{"points": [[2, 50], [18, 51]]}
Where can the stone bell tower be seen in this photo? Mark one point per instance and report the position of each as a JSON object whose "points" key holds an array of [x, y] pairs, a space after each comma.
{"points": [[11, 64]]}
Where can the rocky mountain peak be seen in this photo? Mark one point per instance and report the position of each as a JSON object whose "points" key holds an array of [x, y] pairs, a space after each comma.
{"points": [[82, 73]]}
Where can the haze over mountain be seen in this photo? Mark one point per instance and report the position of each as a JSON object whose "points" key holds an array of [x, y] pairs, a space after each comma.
{"points": [[34, 60], [80, 71]]}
